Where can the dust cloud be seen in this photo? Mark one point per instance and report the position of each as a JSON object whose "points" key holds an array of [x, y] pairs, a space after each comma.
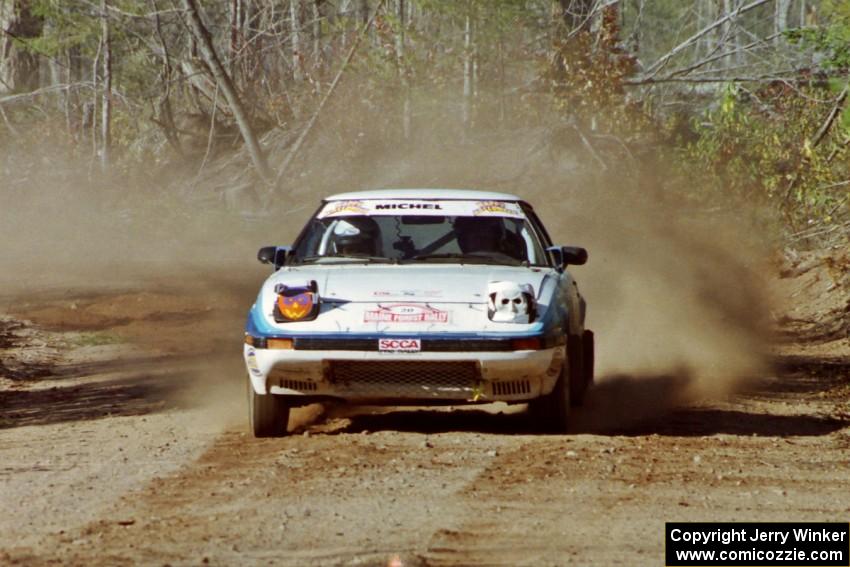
{"points": [[673, 291]]}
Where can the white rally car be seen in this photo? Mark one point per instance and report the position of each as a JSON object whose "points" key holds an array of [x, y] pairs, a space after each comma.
{"points": [[419, 297]]}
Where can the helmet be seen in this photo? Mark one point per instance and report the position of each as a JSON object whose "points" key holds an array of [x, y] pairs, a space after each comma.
{"points": [[358, 236], [479, 234]]}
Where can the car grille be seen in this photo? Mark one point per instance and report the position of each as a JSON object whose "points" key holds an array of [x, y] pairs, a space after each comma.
{"points": [[428, 345], [299, 385], [403, 379], [514, 388]]}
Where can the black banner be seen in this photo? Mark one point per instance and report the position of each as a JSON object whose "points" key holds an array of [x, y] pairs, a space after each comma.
{"points": [[758, 544]]}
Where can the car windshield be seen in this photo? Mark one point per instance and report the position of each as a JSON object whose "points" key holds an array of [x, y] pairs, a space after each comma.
{"points": [[412, 238]]}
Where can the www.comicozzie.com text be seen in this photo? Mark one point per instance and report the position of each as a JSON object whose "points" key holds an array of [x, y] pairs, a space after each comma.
{"points": [[726, 536]]}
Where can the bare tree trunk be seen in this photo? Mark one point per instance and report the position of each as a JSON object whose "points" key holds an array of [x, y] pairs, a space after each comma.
{"points": [[318, 60], [55, 71], [19, 68], [702, 17], [235, 29], [69, 103], [501, 59], [363, 11], [202, 35], [295, 34], [299, 142], [575, 14], [90, 108], [467, 73], [780, 20], [728, 30], [402, 71], [106, 104], [165, 120]]}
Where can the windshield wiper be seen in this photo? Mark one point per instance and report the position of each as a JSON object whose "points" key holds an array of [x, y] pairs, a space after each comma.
{"points": [[437, 256], [471, 258], [349, 258]]}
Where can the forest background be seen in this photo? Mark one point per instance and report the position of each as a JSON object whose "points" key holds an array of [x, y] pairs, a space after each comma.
{"points": [[207, 112]]}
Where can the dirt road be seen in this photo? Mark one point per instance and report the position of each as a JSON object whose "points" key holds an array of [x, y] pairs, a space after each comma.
{"points": [[123, 441]]}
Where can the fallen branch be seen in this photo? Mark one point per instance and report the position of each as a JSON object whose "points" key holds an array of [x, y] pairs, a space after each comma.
{"points": [[589, 147], [722, 55], [837, 149], [833, 114], [757, 79], [224, 81], [45, 90], [659, 64], [310, 123]]}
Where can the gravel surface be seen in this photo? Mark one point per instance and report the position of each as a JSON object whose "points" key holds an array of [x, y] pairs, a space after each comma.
{"points": [[123, 440]]}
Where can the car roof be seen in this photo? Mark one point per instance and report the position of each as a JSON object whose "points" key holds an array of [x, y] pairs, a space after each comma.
{"points": [[448, 194]]}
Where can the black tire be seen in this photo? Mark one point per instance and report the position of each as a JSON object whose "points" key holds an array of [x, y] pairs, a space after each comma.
{"points": [[577, 377], [552, 411], [268, 415], [588, 358]]}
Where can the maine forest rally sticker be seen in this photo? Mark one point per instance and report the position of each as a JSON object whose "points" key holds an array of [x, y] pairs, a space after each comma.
{"points": [[405, 313]]}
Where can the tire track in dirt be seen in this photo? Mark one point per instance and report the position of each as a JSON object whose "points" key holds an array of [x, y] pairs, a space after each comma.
{"points": [[463, 488], [603, 499], [435, 487], [333, 497]]}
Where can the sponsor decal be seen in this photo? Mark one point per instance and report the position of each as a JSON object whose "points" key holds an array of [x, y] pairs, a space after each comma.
{"points": [[500, 208], [421, 207], [408, 206], [407, 293], [399, 345], [345, 208], [251, 361], [406, 313]]}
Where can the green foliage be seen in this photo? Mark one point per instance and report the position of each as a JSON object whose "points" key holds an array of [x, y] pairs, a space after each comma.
{"points": [[760, 149], [832, 38], [96, 338]]}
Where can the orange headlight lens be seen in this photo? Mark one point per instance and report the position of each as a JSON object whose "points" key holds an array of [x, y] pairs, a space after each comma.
{"points": [[282, 344]]}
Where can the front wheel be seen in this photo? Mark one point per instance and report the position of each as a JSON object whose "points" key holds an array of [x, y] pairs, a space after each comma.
{"points": [[552, 411], [588, 356], [577, 368], [268, 414]]}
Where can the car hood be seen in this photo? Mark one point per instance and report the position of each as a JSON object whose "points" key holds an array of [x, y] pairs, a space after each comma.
{"points": [[381, 299], [413, 283]]}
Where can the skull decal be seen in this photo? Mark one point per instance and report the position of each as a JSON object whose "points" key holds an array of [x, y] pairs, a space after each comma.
{"points": [[510, 302]]}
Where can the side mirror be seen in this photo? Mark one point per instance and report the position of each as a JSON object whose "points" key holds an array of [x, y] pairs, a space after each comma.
{"points": [[568, 255], [274, 255]]}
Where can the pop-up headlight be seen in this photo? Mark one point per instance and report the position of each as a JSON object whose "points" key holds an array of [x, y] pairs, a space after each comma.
{"points": [[510, 302], [296, 302]]}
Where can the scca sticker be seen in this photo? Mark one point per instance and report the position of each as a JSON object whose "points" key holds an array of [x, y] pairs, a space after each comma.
{"points": [[399, 345], [406, 313]]}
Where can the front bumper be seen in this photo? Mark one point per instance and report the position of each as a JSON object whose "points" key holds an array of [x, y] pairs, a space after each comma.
{"points": [[512, 376]]}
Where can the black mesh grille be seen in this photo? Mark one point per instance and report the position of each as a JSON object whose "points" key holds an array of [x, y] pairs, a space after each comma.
{"points": [[428, 345], [402, 378], [336, 344]]}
